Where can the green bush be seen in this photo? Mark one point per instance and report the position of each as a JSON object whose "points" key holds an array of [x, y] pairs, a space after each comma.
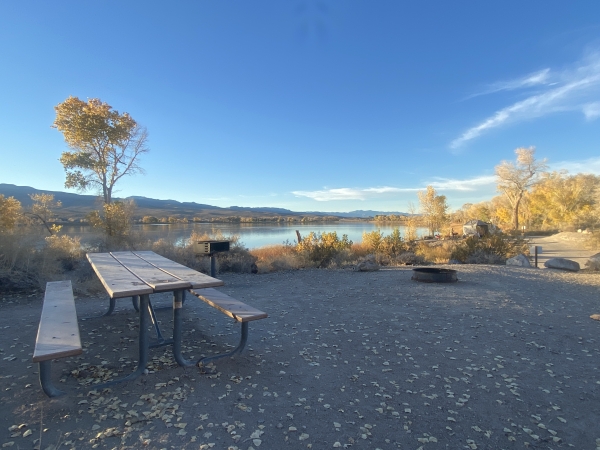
{"points": [[322, 248]]}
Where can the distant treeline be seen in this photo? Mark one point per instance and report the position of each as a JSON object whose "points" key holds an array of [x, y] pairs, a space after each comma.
{"points": [[239, 219], [390, 218]]}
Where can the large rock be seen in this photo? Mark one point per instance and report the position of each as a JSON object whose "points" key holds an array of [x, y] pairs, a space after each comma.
{"points": [[366, 266], [562, 264], [519, 260], [594, 262]]}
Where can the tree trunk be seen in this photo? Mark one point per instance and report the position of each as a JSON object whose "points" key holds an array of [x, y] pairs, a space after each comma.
{"points": [[516, 213]]}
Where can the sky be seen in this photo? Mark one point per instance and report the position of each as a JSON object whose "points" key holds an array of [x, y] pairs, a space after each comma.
{"points": [[307, 105]]}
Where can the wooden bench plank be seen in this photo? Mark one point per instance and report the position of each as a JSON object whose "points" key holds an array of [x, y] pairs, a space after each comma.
{"points": [[229, 305], [157, 279], [58, 333], [116, 279], [196, 279]]}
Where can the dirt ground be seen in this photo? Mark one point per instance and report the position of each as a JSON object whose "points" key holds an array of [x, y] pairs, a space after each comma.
{"points": [[506, 358]]}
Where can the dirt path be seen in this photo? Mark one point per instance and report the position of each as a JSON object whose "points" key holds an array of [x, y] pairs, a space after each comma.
{"points": [[568, 245], [507, 358]]}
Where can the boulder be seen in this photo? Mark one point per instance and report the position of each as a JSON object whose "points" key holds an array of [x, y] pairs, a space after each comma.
{"points": [[520, 260], [594, 262], [562, 264], [366, 266]]}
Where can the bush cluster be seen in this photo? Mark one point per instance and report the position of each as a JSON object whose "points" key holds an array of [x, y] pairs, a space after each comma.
{"points": [[494, 249], [321, 248]]}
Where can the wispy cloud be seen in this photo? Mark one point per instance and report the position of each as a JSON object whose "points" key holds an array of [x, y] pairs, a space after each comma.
{"points": [[533, 79], [590, 165], [328, 195], [567, 90]]}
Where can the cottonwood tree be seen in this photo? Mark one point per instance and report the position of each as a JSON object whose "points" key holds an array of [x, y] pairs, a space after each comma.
{"points": [[434, 209], [560, 199], [10, 213], [515, 178], [42, 211], [105, 145]]}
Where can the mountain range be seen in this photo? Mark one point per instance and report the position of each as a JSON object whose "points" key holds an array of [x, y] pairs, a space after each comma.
{"points": [[77, 206]]}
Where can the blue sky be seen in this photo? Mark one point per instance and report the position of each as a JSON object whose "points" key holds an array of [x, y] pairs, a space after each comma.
{"points": [[307, 105]]}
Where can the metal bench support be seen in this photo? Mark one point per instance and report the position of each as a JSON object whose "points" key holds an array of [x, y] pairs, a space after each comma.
{"points": [[46, 379], [177, 330]]}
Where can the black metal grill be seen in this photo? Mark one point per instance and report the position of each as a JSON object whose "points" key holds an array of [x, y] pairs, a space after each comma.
{"points": [[210, 247]]}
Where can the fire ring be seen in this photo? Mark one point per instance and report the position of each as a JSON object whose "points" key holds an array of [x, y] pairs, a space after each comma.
{"points": [[431, 275]]}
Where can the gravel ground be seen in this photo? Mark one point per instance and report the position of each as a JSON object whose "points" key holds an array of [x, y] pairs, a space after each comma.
{"points": [[504, 358]]}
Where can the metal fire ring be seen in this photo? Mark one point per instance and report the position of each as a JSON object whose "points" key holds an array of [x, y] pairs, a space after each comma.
{"points": [[432, 275]]}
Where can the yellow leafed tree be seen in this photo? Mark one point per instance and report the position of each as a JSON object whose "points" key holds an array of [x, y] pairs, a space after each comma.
{"points": [[514, 179], [105, 145], [559, 200]]}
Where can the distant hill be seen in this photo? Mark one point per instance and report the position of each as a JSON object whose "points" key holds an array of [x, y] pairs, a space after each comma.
{"points": [[77, 206], [364, 214]]}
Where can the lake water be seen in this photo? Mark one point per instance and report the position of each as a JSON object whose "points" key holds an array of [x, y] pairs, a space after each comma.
{"points": [[251, 235]]}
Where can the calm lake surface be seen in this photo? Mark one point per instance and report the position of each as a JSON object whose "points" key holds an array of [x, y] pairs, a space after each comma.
{"points": [[251, 235]]}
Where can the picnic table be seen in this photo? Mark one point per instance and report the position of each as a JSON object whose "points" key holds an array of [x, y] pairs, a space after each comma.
{"points": [[138, 274], [135, 274]]}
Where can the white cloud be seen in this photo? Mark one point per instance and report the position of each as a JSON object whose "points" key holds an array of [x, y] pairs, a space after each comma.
{"points": [[471, 184], [447, 184], [482, 187], [569, 90], [530, 80], [592, 110], [327, 195], [591, 166]]}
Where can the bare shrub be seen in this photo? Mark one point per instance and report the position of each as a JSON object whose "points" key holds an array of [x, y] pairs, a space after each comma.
{"points": [[359, 250], [61, 254], [437, 252], [409, 259], [484, 257]]}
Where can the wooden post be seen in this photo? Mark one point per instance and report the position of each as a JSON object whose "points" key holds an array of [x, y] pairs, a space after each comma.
{"points": [[299, 237]]}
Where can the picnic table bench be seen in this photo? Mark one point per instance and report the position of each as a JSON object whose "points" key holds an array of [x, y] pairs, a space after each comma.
{"points": [[58, 332], [233, 308]]}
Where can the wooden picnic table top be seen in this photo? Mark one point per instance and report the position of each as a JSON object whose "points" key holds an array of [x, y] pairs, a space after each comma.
{"points": [[125, 274]]}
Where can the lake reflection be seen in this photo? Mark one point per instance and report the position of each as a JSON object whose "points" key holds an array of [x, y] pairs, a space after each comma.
{"points": [[251, 235]]}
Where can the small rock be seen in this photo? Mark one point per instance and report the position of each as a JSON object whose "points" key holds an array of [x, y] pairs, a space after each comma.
{"points": [[594, 262], [562, 264], [595, 316], [519, 260]]}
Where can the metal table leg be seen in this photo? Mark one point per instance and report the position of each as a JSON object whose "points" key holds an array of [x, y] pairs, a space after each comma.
{"points": [[142, 344], [136, 302], [178, 298], [159, 337]]}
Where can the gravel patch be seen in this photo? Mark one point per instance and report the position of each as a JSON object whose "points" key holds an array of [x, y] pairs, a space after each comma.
{"points": [[504, 358]]}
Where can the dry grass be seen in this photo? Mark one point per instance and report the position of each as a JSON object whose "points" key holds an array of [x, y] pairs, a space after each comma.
{"points": [[274, 258], [437, 252]]}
